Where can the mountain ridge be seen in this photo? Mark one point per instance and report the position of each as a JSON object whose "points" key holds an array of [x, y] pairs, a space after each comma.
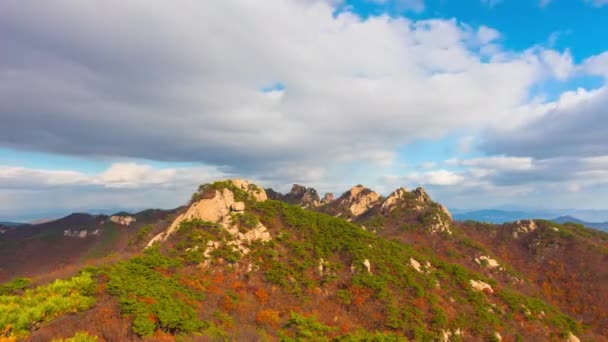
{"points": [[234, 262]]}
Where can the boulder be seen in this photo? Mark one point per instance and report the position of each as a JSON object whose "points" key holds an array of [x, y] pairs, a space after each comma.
{"points": [[238, 206], [368, 265], [479, 285], [572, 338], [416, 265], [487, 262]]}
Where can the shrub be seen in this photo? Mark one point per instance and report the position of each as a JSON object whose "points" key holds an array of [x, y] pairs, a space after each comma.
{"points": [[14, 285], [81, 336], [245, 221], [156, 300], [308, 328]]}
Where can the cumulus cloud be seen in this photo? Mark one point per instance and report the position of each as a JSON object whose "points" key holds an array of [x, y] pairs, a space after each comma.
{"points": [[436, 177], [495, 163], [573, 125], [597, 65], [117, 176], [179, 81], [27, 193]]}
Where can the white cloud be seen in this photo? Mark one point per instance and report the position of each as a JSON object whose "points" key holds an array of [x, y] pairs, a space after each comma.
{"points": [[500, 163], [487, 35], [597, 65], [118, 176], [180, 82], [573, 125], [436, 177], [560, 65]]}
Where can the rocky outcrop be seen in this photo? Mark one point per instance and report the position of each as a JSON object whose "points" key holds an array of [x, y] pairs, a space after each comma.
{"points": [[303, 196], [488, 262], [446, 335], [359, 199], [80, 233], [300, 195], [218, 208], [572, 338], [420, 268], [479, 285], [439, 224], [421, 196], [328, 198], [253, 190], [523, 227], [391, 201], [368, 265], [123, 220]]}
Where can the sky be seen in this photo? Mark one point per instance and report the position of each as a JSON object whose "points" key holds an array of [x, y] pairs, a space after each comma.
{"points": [[131, 104]]}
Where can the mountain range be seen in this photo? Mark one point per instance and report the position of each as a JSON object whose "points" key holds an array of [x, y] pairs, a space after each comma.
{"points": [[504, 216], [243, 263]]}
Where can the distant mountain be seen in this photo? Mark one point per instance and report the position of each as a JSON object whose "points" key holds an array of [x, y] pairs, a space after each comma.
{"points": [[12, 224], [497, 216], [570, 219]]}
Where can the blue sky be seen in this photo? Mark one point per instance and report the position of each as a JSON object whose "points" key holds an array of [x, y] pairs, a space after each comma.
{"points": [[486, 103]]}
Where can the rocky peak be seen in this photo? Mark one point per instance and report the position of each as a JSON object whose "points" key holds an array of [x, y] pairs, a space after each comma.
{"points": [[217, 205], [301, 195], [421, 195], [253, 190], [328, 198], [390, 202], [359, 200]]}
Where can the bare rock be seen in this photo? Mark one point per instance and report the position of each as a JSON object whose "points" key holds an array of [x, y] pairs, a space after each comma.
{"points": [[255, 191], [572, 338], [360, 199], [487, 262], [392, 199], [238, 207], [122, 220], [368, 265], [416, 265], [524, 227], [479, 285], [328, 198]]}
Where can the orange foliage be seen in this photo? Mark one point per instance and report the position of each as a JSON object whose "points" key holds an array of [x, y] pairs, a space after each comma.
{"points": [[268, 317], [261, 295], [360, 294]]}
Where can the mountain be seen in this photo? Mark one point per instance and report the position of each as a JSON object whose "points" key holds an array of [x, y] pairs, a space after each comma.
{"points": [[245, 264], [497, 216], [570, 219], [54, 248], [12, 224]]}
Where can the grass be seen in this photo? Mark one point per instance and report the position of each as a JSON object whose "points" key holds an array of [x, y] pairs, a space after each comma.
{"points": [[19, 313]]}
